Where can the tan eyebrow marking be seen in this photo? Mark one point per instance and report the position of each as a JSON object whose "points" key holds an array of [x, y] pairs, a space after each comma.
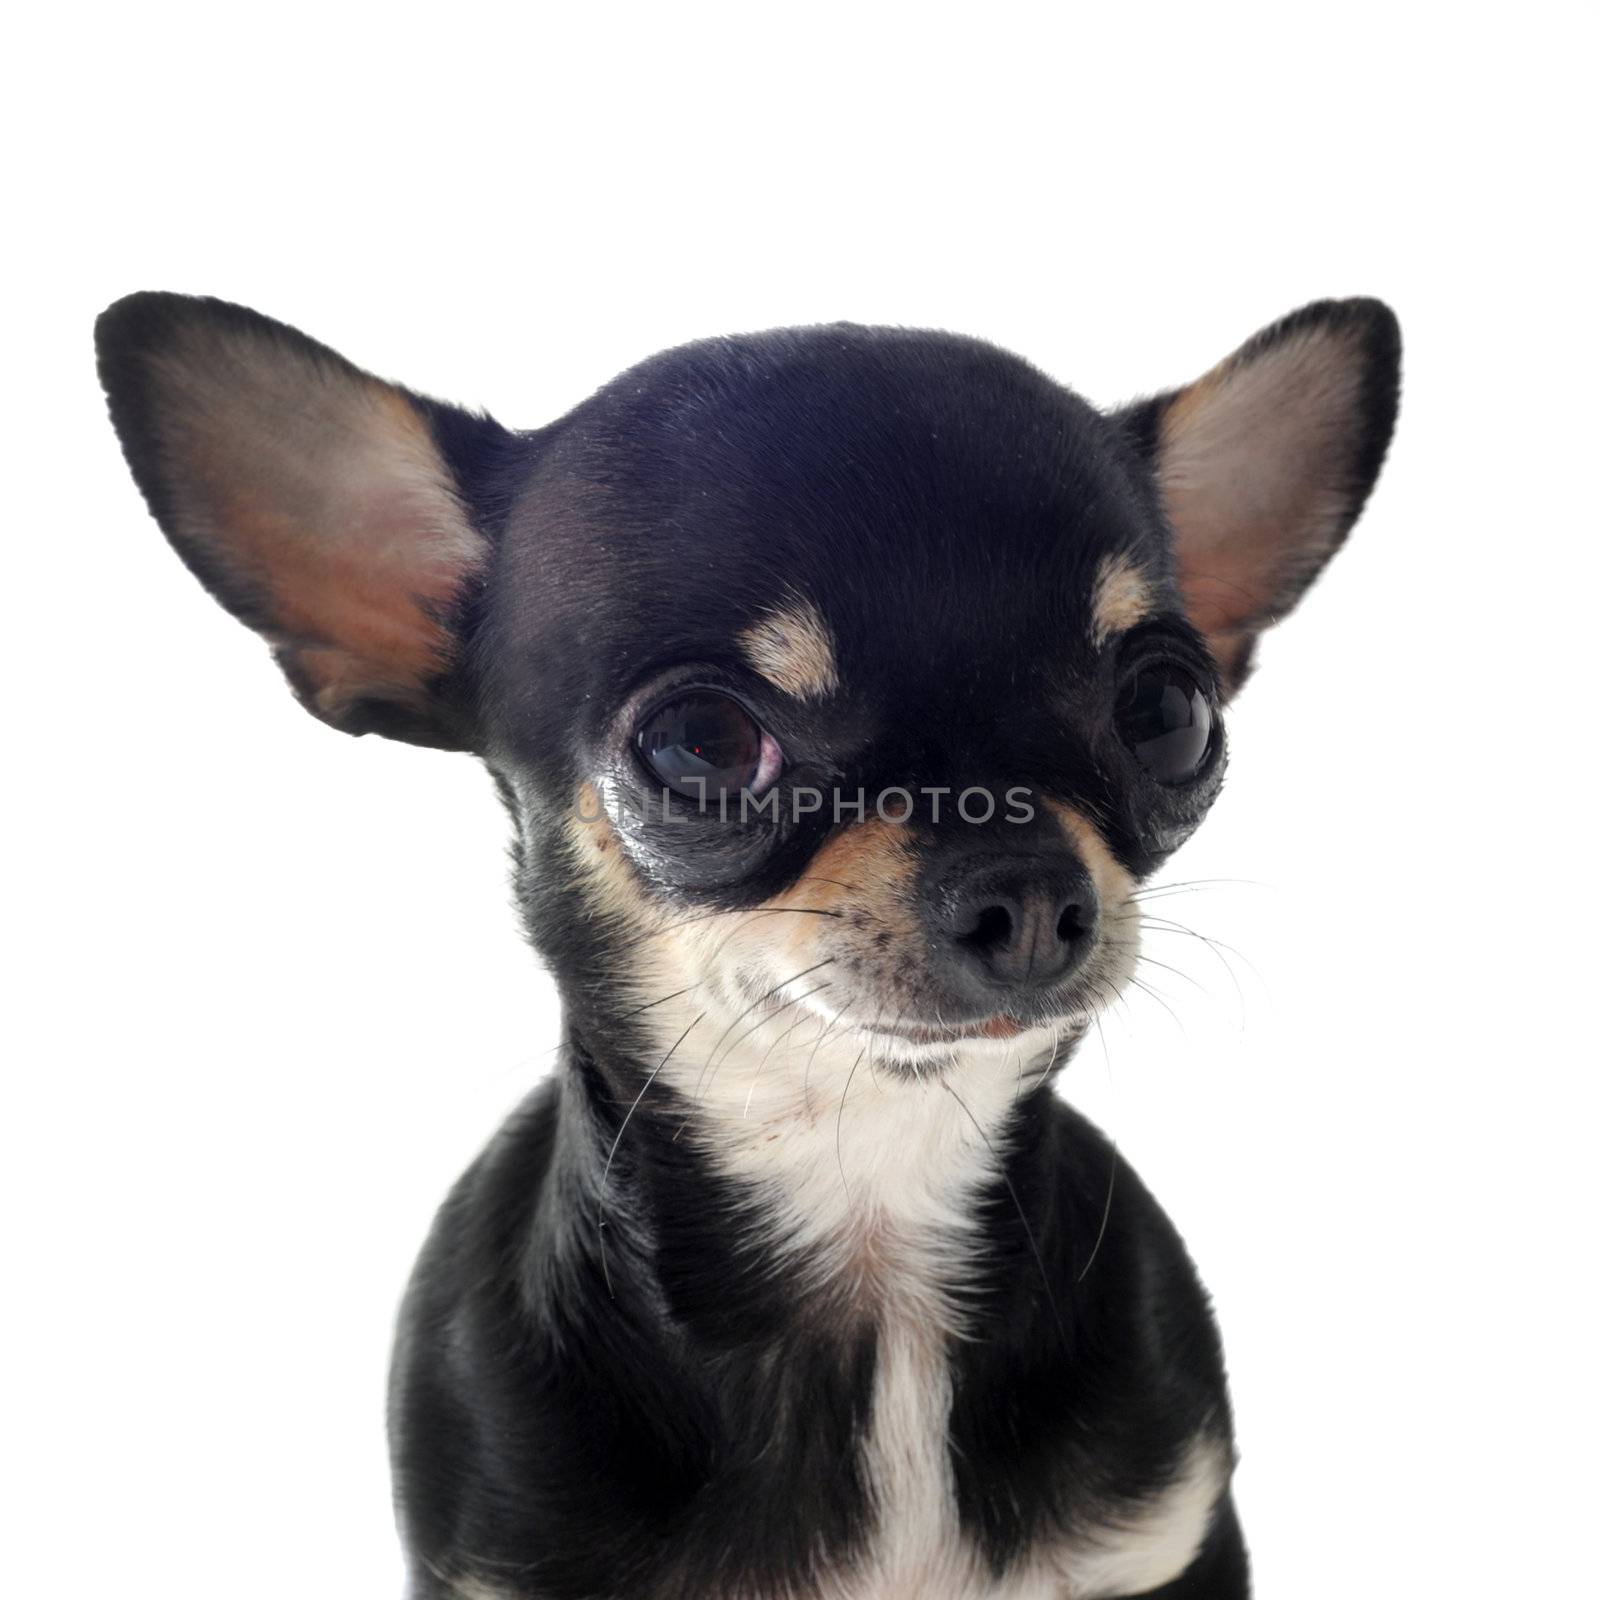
{"points": [[1121, 598], [792, 647]]}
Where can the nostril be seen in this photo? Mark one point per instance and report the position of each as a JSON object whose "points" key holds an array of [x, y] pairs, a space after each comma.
{"points": [[991, 929], [1073, 923]]}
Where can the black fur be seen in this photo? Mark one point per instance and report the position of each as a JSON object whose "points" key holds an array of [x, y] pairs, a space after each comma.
{"points": [[599, 1441], [607, 1382]]}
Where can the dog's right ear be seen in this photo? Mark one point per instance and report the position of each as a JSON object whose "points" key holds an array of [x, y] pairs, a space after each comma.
{"points": [[320, 505]]}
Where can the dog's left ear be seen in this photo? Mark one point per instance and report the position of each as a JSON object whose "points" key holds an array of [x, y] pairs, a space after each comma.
{"points": [[1264, 464]]}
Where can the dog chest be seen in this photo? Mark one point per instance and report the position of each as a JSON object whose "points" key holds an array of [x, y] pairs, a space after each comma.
{"points": [[918, 1551]]}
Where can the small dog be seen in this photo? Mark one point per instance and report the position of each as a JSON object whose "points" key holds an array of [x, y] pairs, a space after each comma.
{"points": [[843, 685]]}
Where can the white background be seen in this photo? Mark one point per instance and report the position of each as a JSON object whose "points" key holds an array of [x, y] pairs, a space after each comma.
{"points": [[266, 995]]}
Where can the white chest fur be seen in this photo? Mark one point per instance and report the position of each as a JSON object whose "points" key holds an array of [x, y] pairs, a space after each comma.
{"points": [[878, 1198], [918, 1552]]}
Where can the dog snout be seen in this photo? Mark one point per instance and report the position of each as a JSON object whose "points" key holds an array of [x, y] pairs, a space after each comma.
{"points": [[1016, 926]]}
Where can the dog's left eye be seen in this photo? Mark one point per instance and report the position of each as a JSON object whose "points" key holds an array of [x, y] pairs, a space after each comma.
{"points": [[1165, 720], [704, 744]]}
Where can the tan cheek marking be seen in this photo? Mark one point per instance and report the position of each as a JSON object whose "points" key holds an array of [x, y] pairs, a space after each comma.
{"points": [[1121, 598], [793, 648], [868, 869], [611, 886], [1112, 881]]}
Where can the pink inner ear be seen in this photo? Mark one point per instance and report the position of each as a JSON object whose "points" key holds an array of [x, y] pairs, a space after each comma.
{"points": [[321, 491], [1255, 473]]}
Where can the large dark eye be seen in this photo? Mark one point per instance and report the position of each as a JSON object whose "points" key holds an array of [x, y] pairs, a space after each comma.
{"points": [[704, 744], [1165, 719]]}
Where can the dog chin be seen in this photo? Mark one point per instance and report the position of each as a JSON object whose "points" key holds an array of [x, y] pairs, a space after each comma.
{"points": [[920, 1058], [921, 1050]]}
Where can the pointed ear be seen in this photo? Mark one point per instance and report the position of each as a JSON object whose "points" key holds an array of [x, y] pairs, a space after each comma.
{"points": [[323, 507], [1264, 464]]}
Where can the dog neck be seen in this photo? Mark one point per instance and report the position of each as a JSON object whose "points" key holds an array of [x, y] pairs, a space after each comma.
{"points": [[866, 1193]]}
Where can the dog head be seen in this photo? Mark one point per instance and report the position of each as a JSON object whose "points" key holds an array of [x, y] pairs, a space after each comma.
{"points": [[842, 676]]}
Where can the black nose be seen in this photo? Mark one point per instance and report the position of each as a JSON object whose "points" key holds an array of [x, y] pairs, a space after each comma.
{"points": [[1018, 925]]}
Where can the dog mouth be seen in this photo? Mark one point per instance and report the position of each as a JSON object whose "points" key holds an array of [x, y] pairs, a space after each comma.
{"points": [[914, 1022], [1000, 1026]]}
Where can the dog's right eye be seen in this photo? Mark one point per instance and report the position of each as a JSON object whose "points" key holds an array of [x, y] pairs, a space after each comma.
{"points": [[707, 744]]}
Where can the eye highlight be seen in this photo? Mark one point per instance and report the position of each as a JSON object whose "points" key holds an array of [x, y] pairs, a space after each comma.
{"points": [[704, 744], [1165, 719]]}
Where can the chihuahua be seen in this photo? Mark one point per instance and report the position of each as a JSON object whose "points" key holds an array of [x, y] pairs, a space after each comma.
{"points": [[843, 685]]}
